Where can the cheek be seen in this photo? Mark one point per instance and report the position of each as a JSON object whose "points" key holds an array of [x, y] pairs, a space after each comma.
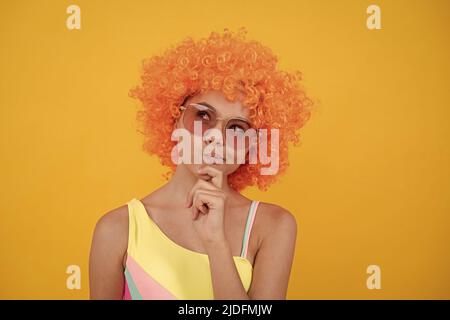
{"points": [[235, 154], [230, 168], [196, 147]]}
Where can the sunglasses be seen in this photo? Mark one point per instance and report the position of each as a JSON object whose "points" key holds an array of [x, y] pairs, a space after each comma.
{"points": [[208, 117]]}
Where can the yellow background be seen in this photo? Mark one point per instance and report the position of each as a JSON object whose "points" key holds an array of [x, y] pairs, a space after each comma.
{"points": [[369, 185]]}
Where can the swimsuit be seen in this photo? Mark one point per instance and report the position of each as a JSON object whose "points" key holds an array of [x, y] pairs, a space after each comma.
{"points": [[158, 268]]}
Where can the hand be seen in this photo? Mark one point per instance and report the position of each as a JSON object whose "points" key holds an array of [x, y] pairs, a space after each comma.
{"points": [[207, 201]]}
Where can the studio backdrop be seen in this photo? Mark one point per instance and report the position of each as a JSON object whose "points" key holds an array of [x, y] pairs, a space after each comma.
{"points": [[369, 184]]}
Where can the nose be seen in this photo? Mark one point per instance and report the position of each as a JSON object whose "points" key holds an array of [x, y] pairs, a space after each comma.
{"points": [[208, 138], [219, 124]]}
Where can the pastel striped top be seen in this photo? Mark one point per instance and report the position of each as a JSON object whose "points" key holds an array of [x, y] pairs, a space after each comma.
{"points": [[158, 268]]}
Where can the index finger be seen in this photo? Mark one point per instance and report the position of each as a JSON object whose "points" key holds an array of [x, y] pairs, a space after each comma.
{"points": [[215, 174]]}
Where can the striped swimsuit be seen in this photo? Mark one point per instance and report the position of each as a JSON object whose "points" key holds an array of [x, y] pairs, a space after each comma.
{"points": [[158, 268]]}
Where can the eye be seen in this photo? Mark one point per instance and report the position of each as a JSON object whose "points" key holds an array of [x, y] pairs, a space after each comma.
{"points": [[204, 115], [237, 128]]}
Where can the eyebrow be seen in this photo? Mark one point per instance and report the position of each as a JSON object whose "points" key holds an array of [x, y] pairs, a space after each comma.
{"points": [[206, 104]]}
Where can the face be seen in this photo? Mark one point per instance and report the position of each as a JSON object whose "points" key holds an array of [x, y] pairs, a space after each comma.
{"points": [[223, 110]]}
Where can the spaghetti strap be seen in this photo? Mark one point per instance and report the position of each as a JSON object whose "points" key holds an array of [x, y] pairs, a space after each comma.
{"points": [[248, 227]]}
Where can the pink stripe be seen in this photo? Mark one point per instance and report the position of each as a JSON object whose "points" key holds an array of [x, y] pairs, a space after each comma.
{"points": [[126, 292], [253, 213], [147, 286]]}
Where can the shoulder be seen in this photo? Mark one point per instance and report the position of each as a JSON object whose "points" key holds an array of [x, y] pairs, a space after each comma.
{"points": [[113, 221], [112, 229], [275, 220], [108, 251]]}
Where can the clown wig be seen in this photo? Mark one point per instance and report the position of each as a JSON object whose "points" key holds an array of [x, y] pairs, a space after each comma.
{"points": [[231, 64]]}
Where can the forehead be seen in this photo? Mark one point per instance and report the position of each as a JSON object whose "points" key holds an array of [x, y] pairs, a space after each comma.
{"points": [[224, 107]]}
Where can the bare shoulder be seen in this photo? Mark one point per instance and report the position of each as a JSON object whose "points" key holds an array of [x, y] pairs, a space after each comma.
{"points": [[108, 249], [114, 221], [112, 229], [274, 219]]}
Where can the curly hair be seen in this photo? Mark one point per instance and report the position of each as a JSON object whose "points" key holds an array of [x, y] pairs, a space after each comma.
{"points": [[230, 64]]}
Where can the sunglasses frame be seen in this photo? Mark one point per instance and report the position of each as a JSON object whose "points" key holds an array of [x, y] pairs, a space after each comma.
{"points": [[184, 107]]}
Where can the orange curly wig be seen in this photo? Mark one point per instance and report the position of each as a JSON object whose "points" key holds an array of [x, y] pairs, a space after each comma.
{"points": [[231, 64]]}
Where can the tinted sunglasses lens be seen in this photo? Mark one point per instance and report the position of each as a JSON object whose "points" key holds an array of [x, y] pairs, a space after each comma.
{"points": [[239, 129], [200, 114]]}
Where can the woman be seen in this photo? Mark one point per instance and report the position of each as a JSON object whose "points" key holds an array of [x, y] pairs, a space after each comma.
{"points": [[197, 236]]}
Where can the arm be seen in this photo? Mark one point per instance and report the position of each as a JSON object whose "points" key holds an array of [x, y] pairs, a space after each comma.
{"points": [[274, 258], [109, 245], [272, 265], [225, 278], [208, 222]]}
